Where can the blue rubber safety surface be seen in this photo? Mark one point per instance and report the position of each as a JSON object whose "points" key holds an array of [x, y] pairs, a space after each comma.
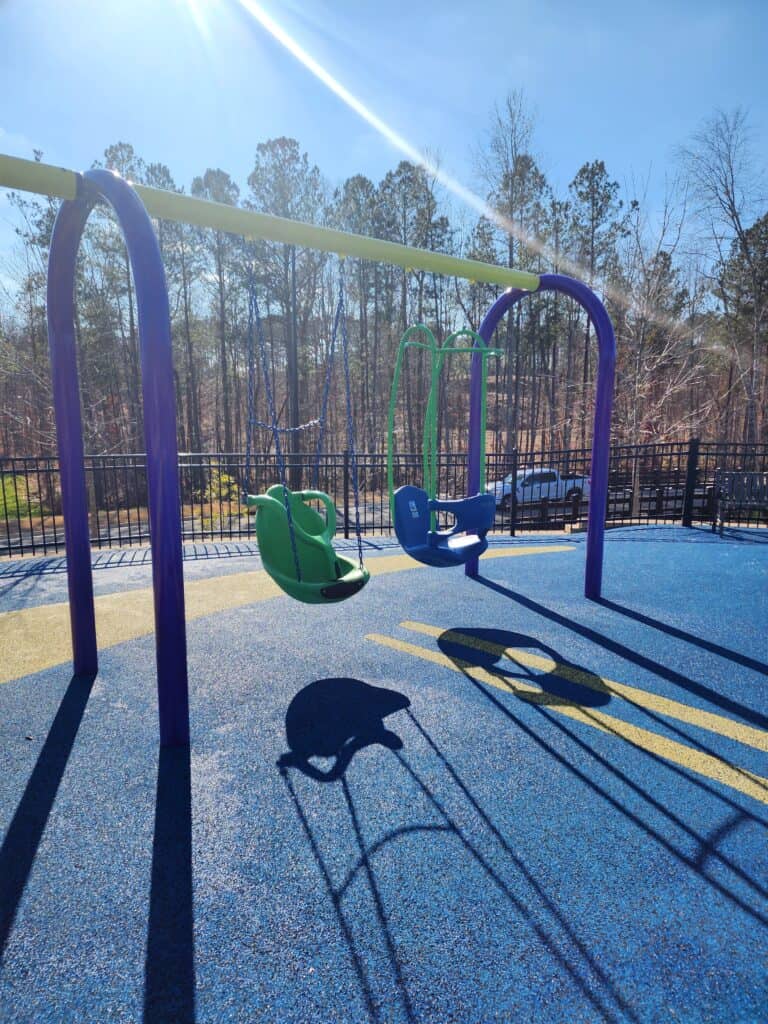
{"points": [[361, 833]]}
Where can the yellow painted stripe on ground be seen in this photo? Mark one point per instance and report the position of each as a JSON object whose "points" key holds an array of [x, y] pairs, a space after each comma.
{"points": [[720, 724], [540, 549], [385, 564], [34, 639], [707, 765]]}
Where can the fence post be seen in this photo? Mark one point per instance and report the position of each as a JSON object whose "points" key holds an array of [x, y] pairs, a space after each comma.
{"points": [[635, 495], [691, 479], [346, 494], [711, 505], [513, 502]]}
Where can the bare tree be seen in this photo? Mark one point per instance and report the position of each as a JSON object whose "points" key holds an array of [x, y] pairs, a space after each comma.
{"points": [[730, 192]]}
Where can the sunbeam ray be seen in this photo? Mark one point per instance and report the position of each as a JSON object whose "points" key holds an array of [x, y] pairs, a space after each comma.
{"points": [[448, 181]]}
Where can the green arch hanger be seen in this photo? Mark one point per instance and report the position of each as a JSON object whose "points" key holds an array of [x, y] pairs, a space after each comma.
{"points": [[438, 356]]}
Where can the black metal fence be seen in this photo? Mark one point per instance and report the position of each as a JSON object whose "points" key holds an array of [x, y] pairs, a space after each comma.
{"points": [[657, 483]]}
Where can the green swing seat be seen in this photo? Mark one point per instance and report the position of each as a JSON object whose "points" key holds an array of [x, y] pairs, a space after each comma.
{"points": [[322, 576]]}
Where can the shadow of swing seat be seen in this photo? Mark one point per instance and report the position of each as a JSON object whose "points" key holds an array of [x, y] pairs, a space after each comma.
{"points": [[334, 719], [316, 574], [466, 539]]}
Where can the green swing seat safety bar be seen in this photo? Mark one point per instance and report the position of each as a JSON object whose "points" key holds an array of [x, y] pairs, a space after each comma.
{"points": [[325, 575], [437, 359]]}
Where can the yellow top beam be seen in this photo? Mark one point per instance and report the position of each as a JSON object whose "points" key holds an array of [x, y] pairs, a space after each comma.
{"points": [[31, 176]]}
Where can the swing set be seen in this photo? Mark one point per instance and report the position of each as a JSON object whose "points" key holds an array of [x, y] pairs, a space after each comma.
{"points": [[296, 541]]}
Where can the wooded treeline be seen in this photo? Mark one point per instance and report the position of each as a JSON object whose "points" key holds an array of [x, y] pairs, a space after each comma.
{"points": [[686, 288]]}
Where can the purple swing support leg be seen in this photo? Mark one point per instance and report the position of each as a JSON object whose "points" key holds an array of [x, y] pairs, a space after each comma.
{"points": [[160, 438], [601, 438]]}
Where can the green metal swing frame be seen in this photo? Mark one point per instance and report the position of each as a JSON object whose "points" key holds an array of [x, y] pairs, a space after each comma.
{"points": [[438, 355]]}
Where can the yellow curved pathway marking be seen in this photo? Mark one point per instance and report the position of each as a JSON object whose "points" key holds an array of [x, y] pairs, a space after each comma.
{"points": [[33, 639], [720, 724], [707, 765]]}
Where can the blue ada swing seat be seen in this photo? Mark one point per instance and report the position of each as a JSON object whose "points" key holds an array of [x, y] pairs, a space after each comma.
{"points": [[414, 509], [466, 539]]}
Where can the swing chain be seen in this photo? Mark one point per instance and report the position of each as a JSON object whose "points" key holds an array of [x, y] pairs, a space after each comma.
{"points": [[254, 317], [251, 390], [341, 314], [339, 323], [326, 393], [286, 430]]}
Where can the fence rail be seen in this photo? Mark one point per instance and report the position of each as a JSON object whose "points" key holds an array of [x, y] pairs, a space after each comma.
{"points": [[658, 483]]}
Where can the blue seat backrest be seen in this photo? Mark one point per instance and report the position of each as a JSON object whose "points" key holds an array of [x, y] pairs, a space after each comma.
{"points": [[473, 515], [412, 515]]}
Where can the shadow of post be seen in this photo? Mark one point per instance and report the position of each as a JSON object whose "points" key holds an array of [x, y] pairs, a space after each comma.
{"points": [[749, 714], [689, 638], [708, 845], [169, 973], [19, 849]]}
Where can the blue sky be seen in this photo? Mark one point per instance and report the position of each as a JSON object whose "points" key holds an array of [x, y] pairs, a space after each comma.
{"points": [[197, 83]]}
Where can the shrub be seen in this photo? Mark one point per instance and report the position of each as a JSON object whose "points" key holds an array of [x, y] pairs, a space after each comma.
{"points": [[16, 499], [221, 487]]}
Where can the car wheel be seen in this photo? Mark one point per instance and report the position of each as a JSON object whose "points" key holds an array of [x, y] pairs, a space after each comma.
{"points": [[575, 492]]}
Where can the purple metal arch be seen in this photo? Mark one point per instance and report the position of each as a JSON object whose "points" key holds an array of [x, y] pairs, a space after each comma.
{"points": [[159, 432], [601, 438]]}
